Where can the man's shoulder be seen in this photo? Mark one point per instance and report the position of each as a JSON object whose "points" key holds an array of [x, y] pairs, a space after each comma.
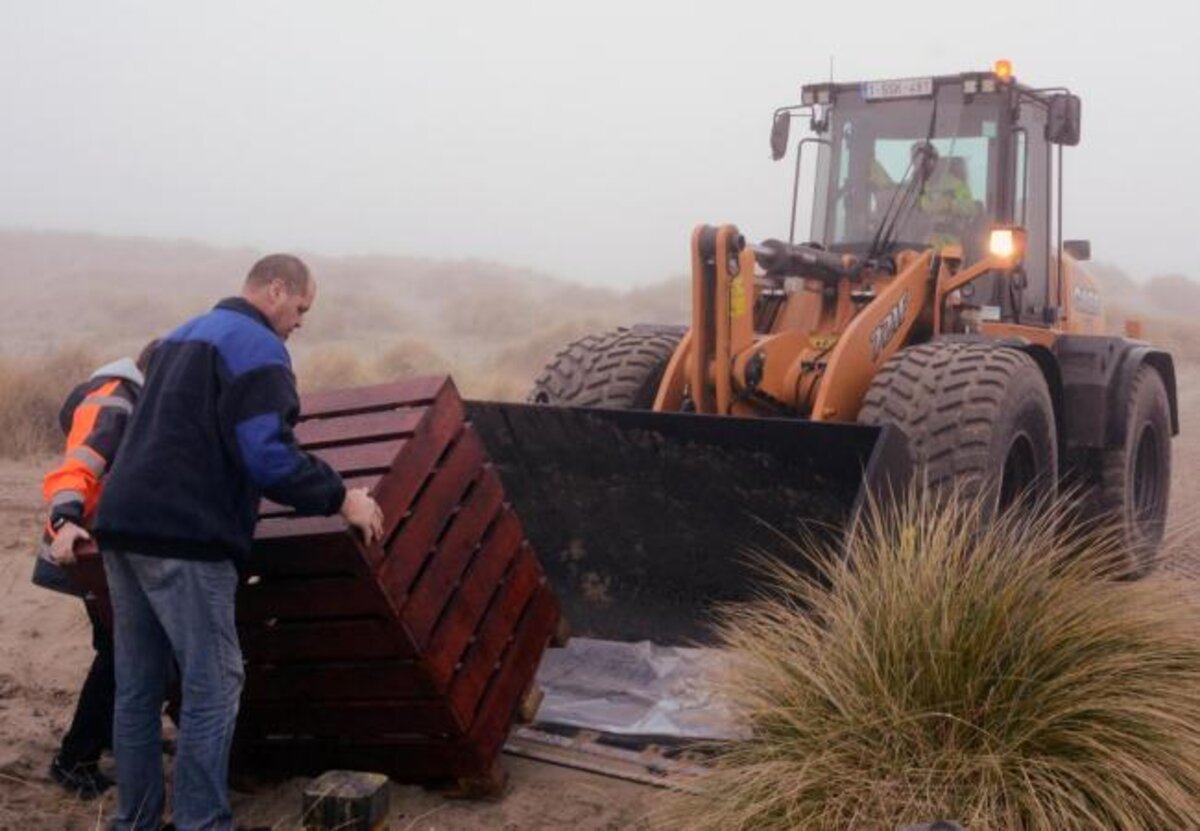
{"points": [[242, 342]]}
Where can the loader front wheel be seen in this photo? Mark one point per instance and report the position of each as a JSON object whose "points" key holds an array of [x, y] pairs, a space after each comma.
{"points": [[1135, 478], [978, 417], [618, 370]]}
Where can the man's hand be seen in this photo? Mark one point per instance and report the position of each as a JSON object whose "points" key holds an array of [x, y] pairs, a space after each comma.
{"points": [[62, 547], [364, 513]]}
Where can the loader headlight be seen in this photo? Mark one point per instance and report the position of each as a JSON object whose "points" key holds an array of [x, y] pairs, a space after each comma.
{"points": [[1007, 242]]}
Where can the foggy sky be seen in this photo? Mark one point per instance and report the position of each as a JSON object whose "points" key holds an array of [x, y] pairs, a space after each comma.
{"points": [[581, 139]]}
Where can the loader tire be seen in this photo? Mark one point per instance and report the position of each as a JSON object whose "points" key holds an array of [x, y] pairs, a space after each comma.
{"points": [[1134, 479], [978, 417], [618, 370]]}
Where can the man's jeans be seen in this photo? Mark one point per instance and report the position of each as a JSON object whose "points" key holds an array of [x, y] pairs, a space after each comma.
{"points": [[163, 605]]}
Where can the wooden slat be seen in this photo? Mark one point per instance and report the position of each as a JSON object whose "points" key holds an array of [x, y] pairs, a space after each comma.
{"points": [[295, 527], [336, 680], [361, 459], [411, 393], [351, 719], [438, 582], [413, 543], [268, 509], [397, 490], [494, 635], [413, 759], [517, 671], [288, 550], [357, 429], [297, 598], [368, 482], [334, 640], [458, 624]]}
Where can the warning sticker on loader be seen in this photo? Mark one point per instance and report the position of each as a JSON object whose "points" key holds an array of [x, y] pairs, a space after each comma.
{"points": [[737, 296]]}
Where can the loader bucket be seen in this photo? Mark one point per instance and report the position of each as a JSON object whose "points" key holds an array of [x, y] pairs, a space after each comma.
{"points": [[644, 521]]}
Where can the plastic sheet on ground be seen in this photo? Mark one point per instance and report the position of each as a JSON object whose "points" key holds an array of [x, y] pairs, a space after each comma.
{"points": [[637, 689]]}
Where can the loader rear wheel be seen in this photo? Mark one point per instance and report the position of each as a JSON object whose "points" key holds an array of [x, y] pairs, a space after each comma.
{"points": [[618, 370], [1135, 478], [977, 416]]}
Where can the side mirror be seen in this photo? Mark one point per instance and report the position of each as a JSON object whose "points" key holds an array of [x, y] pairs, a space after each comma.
{"points": [[1078, 249], [1062, 125], [779, 135]]}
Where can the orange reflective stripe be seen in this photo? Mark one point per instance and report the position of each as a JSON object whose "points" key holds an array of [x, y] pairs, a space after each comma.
{"points": [[83, 421], [78, 476]]}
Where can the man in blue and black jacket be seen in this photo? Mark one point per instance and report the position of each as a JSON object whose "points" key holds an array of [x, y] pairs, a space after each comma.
{"points": [[212, 434]]}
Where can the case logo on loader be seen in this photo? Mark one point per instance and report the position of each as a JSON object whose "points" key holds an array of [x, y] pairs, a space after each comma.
{"points": [[887, 328]]}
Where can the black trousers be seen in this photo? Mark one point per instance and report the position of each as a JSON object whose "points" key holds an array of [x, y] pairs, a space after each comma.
{"points": [[91, 729]]}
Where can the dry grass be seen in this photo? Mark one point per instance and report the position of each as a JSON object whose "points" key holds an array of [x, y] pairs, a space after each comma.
{"points": [[32, 390], [377, 318], [952, 669]]}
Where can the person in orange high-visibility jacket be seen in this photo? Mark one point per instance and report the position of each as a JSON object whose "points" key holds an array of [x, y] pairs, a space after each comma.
{"points": [[93, 417]]}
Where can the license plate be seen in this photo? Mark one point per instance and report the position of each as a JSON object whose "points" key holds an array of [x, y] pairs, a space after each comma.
{"points": [[897, 88]]}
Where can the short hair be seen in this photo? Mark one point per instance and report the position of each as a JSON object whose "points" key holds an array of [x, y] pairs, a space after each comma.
{"points": [[286, 267]]}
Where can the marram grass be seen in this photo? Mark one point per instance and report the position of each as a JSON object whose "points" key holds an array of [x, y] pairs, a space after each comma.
{"points": [[952, 667]]}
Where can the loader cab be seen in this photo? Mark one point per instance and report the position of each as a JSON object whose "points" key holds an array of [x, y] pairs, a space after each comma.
{"points": [[935, 161]]}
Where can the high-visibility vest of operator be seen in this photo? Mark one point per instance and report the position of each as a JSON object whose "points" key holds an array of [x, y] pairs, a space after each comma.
{"points": [[947, 201]]}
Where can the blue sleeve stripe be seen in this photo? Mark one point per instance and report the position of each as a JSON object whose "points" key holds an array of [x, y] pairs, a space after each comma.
{"points": [[267, 458], [243, 344]]}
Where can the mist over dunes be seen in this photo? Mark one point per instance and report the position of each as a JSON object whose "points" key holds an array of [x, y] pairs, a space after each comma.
{"points": [[376, 317], [72, 301]]}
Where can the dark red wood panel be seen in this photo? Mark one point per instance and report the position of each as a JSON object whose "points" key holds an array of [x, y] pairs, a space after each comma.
{"points": [[411, 392], [517, 670], [302, 598], [410, 658], [329, 549], [360, 428], [408, 550], [351, 719], [412, 467], [368, 482], [294, 527], [268, 509], [437, 584], [458, 624], [362, 459], [336, 680], [494, 635], [334, 640]]}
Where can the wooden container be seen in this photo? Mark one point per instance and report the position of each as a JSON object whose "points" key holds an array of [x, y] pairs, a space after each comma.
{"points": [[412, 656]]}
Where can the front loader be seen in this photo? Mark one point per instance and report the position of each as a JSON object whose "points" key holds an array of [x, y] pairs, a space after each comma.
{"points": [[934, 324]]}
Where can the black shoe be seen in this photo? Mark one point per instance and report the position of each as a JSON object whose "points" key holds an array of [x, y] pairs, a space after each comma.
{"points": [[84, 779]]}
